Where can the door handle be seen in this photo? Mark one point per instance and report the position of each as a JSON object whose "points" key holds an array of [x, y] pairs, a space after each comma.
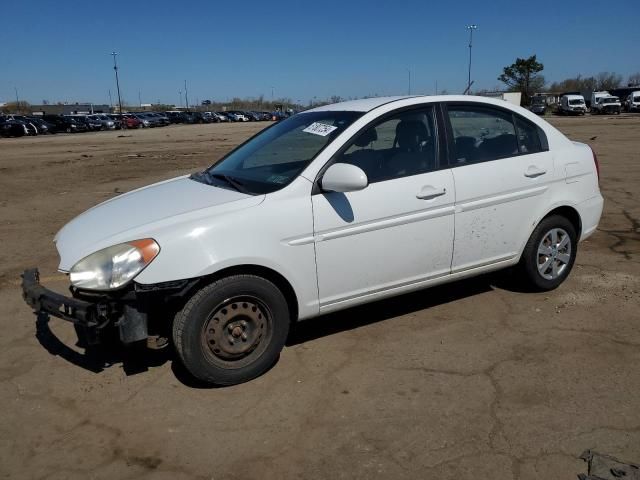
{"points": [[428, 192], [533, 172]]}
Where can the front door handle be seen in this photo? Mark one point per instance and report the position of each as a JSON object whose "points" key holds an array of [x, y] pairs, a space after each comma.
{"points": [[428, 192], [533, 172]]}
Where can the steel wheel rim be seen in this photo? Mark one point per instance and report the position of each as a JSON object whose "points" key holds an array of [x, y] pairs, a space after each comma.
{"points": [[554, 254], [237, 331]]}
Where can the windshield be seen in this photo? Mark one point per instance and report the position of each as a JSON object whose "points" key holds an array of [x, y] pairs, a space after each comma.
{"points": [[609, 100], [578, 101], [273, 158]]}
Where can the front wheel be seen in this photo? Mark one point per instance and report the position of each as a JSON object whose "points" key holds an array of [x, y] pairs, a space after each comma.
{"points": [[550, 253], [232, 330]]}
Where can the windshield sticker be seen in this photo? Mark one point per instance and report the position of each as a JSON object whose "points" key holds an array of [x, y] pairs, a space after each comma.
{"points": [[321, 129], [278, 178]]}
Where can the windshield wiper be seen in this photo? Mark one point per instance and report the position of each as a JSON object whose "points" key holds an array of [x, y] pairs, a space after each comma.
{"points": [[234, 182]]}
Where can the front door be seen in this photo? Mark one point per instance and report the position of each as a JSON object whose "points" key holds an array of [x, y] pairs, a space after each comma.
{"points": [[398, 231]]}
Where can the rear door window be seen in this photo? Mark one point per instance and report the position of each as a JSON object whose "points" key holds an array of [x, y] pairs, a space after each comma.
{"points": [[481, 134]]}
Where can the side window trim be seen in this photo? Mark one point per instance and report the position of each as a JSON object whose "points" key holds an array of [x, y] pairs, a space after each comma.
{"points": [[441, 161], [451, 141]]}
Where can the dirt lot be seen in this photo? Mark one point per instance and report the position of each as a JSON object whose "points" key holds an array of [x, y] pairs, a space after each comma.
{"points": [[471, 380]]}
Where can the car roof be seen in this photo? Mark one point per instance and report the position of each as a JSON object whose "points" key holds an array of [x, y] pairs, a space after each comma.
{"points": [[368, 104]]}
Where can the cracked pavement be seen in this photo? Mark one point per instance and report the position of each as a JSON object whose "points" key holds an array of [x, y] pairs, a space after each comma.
{"points": [[469, 380]]}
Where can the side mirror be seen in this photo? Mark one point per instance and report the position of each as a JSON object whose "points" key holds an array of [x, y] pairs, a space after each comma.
{"points": [[343, 177]]}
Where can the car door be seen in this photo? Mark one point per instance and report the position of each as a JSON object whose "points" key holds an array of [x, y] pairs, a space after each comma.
{"points": [[502, 171], [398, 231]]}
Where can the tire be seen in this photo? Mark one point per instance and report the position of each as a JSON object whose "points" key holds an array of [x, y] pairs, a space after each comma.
{"points": [[544, 266], [232, 330]]}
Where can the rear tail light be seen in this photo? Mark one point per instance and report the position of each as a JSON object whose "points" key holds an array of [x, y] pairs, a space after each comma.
{"points": [[595, 160]]}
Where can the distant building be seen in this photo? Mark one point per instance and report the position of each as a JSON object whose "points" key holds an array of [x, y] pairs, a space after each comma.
{"points": [[70, 109]]}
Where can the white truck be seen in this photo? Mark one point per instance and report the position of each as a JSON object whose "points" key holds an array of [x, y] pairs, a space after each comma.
{"points": [[604, 102], [572, 105], [633, 102]]}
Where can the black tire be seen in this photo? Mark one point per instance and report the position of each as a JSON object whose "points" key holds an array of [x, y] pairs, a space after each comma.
{"points": [[232, 330], [532, 259]]}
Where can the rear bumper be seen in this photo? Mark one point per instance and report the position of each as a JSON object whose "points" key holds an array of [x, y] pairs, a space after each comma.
{"points": [[590, 212]]}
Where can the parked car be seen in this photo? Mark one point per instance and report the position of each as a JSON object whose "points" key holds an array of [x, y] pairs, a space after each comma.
{"points": [[223, 116], [128, 120], [354, 202], [13, 128], [175, 116], [31, 126], [65, 124], [105, 122], [92, 124], [43, 126], [147, 121], [239, 116], [538, 108], [163, 118]]}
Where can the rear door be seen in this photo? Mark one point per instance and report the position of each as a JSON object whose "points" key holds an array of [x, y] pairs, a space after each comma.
{"points": [[502, 171]]}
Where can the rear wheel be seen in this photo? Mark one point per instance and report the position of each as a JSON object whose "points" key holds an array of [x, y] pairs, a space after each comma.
{"points": [[232, 330], [550, 253]]}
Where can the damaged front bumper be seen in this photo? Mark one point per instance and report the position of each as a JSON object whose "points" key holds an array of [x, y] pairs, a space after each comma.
{"points": [[90, 314]]}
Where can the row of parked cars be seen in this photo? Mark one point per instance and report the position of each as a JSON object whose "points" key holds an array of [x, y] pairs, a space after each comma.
{"points": [[21, 125]]}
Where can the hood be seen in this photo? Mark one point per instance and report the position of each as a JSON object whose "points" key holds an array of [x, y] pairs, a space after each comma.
{"points": [[137, 214]]}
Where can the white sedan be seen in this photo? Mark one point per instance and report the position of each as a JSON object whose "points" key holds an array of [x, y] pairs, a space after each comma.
{"points": [[334, 207]]}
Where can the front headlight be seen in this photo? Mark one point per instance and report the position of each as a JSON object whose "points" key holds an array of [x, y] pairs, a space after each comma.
{"points": [[114, 266]]}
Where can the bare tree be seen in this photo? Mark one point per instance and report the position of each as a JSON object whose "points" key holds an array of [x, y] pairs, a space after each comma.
{"points": [[608, 80], [634, 79]]}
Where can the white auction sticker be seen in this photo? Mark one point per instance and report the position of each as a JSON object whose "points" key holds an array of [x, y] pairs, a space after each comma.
{"points": [[321, 129]]}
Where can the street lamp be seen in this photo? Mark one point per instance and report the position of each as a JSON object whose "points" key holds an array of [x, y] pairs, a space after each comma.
{"points": [[409, 90], [471, 28], [186, 96], [115, 68]]}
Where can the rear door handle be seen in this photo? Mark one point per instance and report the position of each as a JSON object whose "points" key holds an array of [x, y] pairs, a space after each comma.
{"points": [[533, 172], [428, 192]]}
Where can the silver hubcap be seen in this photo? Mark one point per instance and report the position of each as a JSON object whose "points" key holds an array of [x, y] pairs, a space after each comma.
{"points": [[554, 253]]}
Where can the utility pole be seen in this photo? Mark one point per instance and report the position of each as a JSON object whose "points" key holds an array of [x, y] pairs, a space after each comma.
{"points": [[471, 28], [115, 68], [186, 95]]}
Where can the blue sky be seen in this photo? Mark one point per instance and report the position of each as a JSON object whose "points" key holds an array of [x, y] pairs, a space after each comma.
{"points": [[60, 50]]}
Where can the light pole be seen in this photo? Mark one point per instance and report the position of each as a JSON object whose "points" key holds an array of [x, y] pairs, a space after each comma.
{"points": [[409, 90], [186, 95], [110, 99], [115, 68], [180, 93], [139, 99], [471, 28], [271, 94]]}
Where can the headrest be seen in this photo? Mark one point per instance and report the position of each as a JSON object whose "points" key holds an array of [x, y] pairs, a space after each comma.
{"points": [[366, 137], [410, 134]]}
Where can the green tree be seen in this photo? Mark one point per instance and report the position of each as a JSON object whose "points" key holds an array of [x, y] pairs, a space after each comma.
{"points": [[523, 76]]}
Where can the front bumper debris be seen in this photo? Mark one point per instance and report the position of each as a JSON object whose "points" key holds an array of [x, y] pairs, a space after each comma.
{"points": [[43, 300]]}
